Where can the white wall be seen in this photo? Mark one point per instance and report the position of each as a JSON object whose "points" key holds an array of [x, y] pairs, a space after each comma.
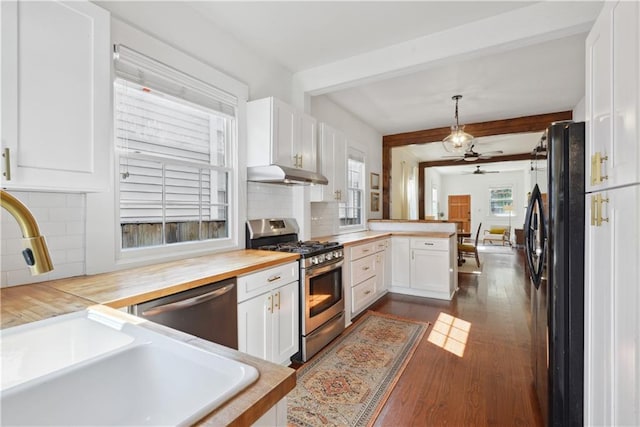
{"points": [[324, 216], [478, 187]]}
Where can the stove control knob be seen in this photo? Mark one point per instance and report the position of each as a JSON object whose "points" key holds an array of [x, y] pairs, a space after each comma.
{"points": [[328, 256], [314, 260]]}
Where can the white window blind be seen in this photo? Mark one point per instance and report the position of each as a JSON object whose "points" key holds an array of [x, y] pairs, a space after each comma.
{"points": [[173, 154], [501, 201]]}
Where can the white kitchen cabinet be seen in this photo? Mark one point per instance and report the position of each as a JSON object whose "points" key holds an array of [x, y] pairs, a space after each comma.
{"points": [[365, 272], [612, 91], [612, 333], [56, 96], [401, 262], [277, 133], [425, 267], [612, 253], [268, 313], [333, 165], [275, 417]]}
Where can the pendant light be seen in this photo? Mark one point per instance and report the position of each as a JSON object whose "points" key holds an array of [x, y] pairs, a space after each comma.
{"points": [[458, 141]]}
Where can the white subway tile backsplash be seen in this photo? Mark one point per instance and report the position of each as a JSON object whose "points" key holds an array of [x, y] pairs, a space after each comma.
{"points": [[61, 219], [46, 200], [269, 201], [65, 214]]}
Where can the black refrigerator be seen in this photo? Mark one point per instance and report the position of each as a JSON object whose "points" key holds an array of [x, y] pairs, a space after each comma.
{"points": [[554, 251]]}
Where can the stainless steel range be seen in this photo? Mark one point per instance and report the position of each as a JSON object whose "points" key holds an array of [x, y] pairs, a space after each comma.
{"points": [[321, 288]]}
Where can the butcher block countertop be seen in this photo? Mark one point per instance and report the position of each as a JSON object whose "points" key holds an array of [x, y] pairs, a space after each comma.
{"points": [[132, 286], [360, 237], [29, 303]]}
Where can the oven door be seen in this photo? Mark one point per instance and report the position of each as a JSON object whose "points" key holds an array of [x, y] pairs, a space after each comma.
{"points": [[323, 295]]}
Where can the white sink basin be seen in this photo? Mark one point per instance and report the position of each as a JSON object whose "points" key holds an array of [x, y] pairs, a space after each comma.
{"points": [[120, 374]]}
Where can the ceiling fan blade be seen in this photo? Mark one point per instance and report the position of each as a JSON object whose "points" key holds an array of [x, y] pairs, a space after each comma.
{"points": [[490, 154], [452, 157]]}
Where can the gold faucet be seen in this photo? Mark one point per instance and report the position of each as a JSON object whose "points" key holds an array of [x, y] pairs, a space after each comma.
{"points": [[35, 253]]}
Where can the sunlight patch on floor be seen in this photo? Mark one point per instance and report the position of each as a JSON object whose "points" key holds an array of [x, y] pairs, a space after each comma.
{"points": [[450, 333]]}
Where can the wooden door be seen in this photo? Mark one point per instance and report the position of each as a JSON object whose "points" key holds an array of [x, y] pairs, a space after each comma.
{"points": [[460, 210]]}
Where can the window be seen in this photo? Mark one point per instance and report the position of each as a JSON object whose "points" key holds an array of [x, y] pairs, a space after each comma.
{"points": [[174, 142], [501, 201], [434, 202], [350, 212]]}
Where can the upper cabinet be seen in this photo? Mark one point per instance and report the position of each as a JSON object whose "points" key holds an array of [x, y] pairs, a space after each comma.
{"points": [[612, 93], [333, 165], [279, 134], [56, 102]]}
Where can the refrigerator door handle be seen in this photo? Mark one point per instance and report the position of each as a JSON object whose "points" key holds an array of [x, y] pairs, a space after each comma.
{"points": [[535, 236]]}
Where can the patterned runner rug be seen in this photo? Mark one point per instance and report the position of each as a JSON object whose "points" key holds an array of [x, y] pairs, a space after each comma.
{"points": [[347, 383]]}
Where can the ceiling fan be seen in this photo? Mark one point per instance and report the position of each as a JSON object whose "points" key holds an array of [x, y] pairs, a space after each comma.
{"points": [[479, 171], [472, 156]]}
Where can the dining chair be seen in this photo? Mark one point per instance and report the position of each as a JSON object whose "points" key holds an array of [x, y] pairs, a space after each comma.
{"points": [[471, 249]]}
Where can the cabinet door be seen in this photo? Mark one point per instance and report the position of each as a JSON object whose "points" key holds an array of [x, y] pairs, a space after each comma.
{"points": [[255, 334], [340, 166], [612, 92], [284, 129], [308, 146], [598, 90], [612, 347], [56, 95], [429, 270], [286, 323], [380, 269], [401, 262], [623, 163]]}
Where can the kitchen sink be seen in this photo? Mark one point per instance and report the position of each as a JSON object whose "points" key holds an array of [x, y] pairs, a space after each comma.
{"points": [[89, 368]]}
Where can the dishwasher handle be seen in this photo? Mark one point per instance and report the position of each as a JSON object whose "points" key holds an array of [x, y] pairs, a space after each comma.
{"points": [[189, 302]]}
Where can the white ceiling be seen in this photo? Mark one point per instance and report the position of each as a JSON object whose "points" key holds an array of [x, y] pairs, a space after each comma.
{"points": [[395, 65]]}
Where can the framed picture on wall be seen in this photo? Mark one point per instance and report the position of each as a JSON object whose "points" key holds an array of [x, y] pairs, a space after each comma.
{"points": [[375, 202], [375, 181]]}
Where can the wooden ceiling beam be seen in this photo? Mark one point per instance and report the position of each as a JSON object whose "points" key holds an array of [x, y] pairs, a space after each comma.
{"points": [[496, 127]]}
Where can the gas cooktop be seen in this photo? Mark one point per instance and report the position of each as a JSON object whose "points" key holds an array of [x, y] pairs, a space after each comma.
{"points": [[310, 247]]}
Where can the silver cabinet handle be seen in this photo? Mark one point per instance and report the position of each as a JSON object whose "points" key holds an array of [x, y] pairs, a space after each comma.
{"points": [[188, 302], [7, 164]]}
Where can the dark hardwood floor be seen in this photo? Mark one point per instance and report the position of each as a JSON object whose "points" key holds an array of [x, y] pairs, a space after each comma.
{"points": [[491, 384]]}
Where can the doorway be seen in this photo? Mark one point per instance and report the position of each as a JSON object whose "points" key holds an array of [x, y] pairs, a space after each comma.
{"points": [[460, 210]]}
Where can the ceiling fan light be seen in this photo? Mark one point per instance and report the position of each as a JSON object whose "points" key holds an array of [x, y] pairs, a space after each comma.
{"points": [[470, 159]]}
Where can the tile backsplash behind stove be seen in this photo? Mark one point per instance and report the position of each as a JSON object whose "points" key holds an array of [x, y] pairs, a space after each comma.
{"points": [[269, 201], [324, 219]]}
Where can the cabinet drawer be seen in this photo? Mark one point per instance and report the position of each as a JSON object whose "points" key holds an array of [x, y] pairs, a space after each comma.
{"points": [[430, 244], [265, 280], [380, 245], [362, 250], [363, 294], [362, 269]]}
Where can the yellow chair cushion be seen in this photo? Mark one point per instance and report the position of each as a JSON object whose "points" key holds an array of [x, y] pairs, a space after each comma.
{"points": [[497, 230], [466, 248]]}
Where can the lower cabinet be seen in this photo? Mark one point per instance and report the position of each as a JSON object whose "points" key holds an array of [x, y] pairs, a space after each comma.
{"points": [[275, 417], [268, 315], [366, 278], [425, 266]]}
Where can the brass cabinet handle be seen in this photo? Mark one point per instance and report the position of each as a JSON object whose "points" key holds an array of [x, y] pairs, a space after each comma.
{"points": [[596, 210], [367, 292], [7, 164], [270, 306], [273, 278], [597, 159], [276, 305]]}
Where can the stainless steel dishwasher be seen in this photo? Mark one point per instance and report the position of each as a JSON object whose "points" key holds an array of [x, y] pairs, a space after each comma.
{"points": [[209, 312]]}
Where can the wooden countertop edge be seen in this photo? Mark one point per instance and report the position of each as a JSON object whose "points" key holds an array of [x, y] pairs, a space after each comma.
{"points": [[360, 237], [71, 285]]}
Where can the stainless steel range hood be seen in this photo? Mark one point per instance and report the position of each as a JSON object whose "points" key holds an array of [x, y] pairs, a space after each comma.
{"points": [[276, 174]]}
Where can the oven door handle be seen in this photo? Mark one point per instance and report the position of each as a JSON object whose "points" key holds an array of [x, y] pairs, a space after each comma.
{"points": [[312, 272]]}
